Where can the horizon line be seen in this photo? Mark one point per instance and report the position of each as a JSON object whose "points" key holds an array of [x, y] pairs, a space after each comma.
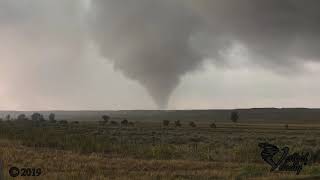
{"points": [[191, 109]]}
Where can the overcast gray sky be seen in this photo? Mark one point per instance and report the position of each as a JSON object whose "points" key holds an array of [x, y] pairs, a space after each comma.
{"points": [[142, 54]]}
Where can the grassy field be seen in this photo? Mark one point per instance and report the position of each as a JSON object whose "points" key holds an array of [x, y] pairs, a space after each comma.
{"points": [[148, 150]]}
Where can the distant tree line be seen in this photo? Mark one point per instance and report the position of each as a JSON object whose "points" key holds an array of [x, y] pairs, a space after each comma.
{"points": [[37, 117], [124, 122]]}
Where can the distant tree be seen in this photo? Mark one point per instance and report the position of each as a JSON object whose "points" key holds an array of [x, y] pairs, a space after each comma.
{"points": [[114, 123], [8, 117], [75, 122], [42, 119], [166, 123], [64, 122], [106, 118], [177, 123], [22, 117], [234, 116], [213, 125], [52, 117], [36, 117], [124, 122], [131, 124], [192, 124]]}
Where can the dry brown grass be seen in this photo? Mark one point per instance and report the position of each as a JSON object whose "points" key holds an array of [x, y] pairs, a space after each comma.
{"points": [[147, 151], [65, 165]]}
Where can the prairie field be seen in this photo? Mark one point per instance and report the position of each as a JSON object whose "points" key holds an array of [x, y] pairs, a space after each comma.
{"points": [[150, 150]]}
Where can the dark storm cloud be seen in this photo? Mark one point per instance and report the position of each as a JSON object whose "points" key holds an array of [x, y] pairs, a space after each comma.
{"points": [[148, 41], [276, 33], [156, 42]]}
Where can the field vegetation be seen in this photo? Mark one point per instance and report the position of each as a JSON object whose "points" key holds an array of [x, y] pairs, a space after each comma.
{"points": [[124, 149]]}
